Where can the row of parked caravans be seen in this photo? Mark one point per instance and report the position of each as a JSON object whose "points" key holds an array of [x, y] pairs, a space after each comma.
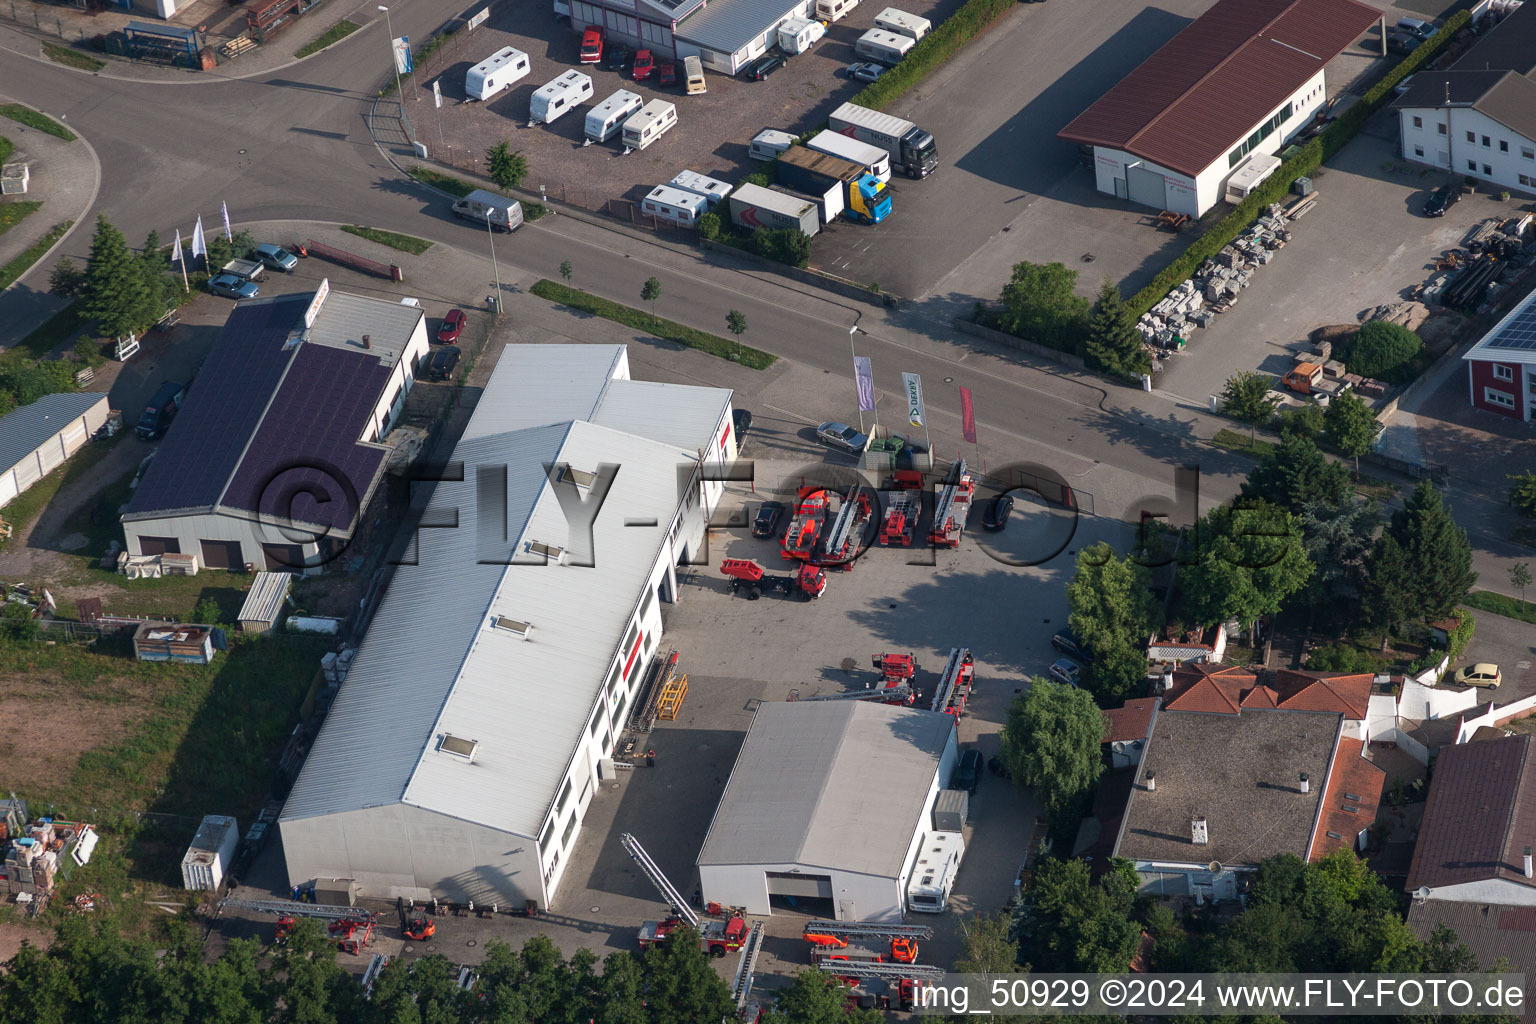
{"points": [[639, 124], [684, 199]]}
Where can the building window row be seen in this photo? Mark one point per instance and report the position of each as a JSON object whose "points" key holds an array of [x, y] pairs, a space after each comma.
{"points": [[1528, 180], [1500, 398], [1264, 131]]}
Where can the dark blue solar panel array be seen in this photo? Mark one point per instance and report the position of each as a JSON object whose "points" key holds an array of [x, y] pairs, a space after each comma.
{"points": [[223, 407], [1519, 333], [304, 463]]}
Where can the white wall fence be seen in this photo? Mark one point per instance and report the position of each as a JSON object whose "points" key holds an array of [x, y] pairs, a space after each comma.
{"points": [[1495, 716]]}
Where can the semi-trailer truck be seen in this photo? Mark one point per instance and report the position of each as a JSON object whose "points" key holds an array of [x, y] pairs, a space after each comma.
{"points": [[912, 149], [864, 197], [753, 206]]}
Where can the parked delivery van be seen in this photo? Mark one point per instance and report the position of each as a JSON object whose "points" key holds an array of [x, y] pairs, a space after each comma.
{"points": [[495, 73]]}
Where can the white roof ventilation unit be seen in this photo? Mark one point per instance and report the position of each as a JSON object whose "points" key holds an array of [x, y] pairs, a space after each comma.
{"points": [[522, 629], [554, 552]]}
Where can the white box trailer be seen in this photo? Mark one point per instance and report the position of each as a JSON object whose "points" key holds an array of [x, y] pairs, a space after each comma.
{"points": [[911, 148], [834, 10], [933, 876], [829, 205], [606, 119], [753, 206], [769, 143], [712, 189], [211, 853], [873, 159], [900, 23], [798, 35], [495, 73], [884, 47], [675, 206], [559, 97], [653, 121], [1250, 174]]}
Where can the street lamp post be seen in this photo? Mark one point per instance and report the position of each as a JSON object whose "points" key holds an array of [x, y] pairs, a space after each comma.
{"points": [[491, 233], [393, 60]]}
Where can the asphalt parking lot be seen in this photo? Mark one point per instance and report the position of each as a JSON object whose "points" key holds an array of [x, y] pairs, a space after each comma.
{"points": [[712, 132], [1509, 644]]}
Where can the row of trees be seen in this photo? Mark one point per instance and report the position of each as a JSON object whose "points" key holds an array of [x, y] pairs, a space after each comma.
{"points": [[94, 973], [1040, 303]]}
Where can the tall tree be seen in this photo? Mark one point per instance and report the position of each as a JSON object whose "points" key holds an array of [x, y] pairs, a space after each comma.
{"points": [[1051, 744], [1113, 614], [989, 948], [1070, 923], [623, 991], [1522, 493], [1040, 303], [1350, 426], [1247, 398], [1337, 541], [1251, 561], [736, 323], [1389, 585], [114, 293], [679, 976], [817, 998], [1114, 344], [566, 270], [1294, 474], [1520, 577], [506, 168], [1437, 548]]}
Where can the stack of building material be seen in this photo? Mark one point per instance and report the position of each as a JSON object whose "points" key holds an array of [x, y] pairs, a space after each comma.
{"points": [[32, 861], [335, 665]]}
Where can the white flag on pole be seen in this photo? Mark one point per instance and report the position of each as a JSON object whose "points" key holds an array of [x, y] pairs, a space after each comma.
{"points": [[176, 252], [199, 244], [228, 234]]}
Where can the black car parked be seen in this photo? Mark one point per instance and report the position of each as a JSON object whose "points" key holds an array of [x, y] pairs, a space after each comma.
{"points": [[769, 515], [997, 513], [967, 774], [764, 66], [617, 57], [1442, 199], [1068, 644], [441, 363]]}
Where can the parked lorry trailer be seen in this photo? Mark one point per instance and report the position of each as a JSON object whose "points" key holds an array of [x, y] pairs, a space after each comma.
{"points": [[864, 197], [873, 159], [912, 149], [829, 201], [753, 206]]}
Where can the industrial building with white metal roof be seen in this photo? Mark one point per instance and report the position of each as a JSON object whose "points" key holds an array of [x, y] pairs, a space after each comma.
{"points": [[496, 678], [830, 802]]}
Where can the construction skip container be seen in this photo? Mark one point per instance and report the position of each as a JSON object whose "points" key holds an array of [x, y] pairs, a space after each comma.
{"points": [[753, 206], [712, 189], [933, 876], [653, 121], [675, 206], [900, 23], [883, 47], [873, 159], [605, 119], [559, 97], [495, 73]]}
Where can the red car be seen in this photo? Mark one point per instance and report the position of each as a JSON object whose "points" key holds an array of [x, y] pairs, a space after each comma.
{"points": [[645, 66], [668, 75], [592, 46], [453, 326]]}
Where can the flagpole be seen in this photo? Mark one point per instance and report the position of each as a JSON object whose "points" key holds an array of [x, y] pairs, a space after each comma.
{"points": [[181, 258]]}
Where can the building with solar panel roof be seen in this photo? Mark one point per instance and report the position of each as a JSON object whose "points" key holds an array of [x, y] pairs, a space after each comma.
{"points": [[505, 662], [1501, 368], [280, 444]]}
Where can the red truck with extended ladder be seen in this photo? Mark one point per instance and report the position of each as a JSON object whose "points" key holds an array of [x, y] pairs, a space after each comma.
{"points": [[903, 507], [896, 674], [882, 986], [805, 527], [352, 927], [845, 539], [835, 940], [808, 582], [956, 683], [951, 506], [716, 938]]}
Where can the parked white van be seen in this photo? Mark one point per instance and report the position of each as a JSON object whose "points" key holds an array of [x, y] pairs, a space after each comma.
{"points": [[605, 119], [653, 121], [933, 876], [712, 189], [834, 10], [495, 73], [901, 23], [675, 206], [769, 143], [884, 47], [559, 97], [797, 35]]}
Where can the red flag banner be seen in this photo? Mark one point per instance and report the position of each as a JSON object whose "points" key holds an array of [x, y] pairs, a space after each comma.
{"points": [[967, 416]]}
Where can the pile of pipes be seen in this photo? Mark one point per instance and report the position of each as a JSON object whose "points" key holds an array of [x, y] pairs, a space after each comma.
{"points": [[1214, 288], [1488, 250]]}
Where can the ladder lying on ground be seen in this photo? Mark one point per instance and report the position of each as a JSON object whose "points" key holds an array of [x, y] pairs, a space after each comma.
{"points": [[293, 908], [668, 891]]}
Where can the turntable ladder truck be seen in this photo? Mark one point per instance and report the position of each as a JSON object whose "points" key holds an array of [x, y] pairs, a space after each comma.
{"points": [[881, 980], [715, 937], [741, 987], [951, 507], [847, 533], [896, 673], [900, 524], [889, 694], [955, 684], [352, 927], [837, 935], [805, 528]]}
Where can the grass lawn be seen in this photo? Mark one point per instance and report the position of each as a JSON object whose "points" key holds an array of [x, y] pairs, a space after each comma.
{"points": [[1509, 607], [23, 263], [405, 243], [1240, 443], [335, 33], [32, 119], [660, 328], [6, 148], [48, 336], [437, 179], [15, 212], [72, 58]]}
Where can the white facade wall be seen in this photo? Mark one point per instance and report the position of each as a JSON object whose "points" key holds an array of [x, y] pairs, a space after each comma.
{"points": [[189, 531], [1469, 142], [1194, 196], [730, 63], [49, 455], [401, 379], [856, 896], [1491, 890]]}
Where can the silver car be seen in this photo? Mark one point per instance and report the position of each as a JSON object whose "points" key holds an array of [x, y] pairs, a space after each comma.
{"points": [[842, 437], [275, 257], [1065, 671]]}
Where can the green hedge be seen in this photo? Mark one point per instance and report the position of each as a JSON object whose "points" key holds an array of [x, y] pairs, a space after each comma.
{"points": [[1461, 636], [971, 20], [1498, 604], [1302, 165]]}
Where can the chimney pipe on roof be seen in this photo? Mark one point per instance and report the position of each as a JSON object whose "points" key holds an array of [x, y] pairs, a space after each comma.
{"points": [[367, 341], [1529, 872], [1198, 833], [1306, 783], [1151, 779]]}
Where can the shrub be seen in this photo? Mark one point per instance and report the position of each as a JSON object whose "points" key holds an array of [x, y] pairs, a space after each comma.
{"points": [[1341, 658], [1382, 350], [1461, 636], [709, 226], [1300, 421], [787, 245], [207, 612], [758, 178], [18, 622]]}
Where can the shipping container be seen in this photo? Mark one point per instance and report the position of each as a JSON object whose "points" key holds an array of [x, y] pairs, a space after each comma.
{"points": [[712, 189], [873, 159], [211, 853], [753, 206], [674, 206], [560, 97], [495, 73], [883, 47], [606, 119], [951, 810], [900, 23], [652, 121]]}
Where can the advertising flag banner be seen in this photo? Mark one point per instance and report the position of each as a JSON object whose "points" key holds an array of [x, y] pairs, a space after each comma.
{"points": [[912, 384], [864, 375], [199, 243], [478, 19], [967, 416], [228, 234], [403, 55], [176, 252], [437, 93]]}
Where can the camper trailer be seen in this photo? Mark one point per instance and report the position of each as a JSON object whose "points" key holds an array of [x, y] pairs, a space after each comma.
{"points": [[769, 143], [675, 206], [559, 97], [605, 119], [900, 23], [712, 189], [653, 121], [834, 10], [495, 73], [883, 47], [933, 876], [873, 159], [798, 35]]}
